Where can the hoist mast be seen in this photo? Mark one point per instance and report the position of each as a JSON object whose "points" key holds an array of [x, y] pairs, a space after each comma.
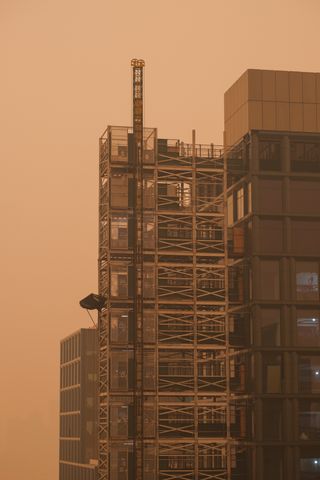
{"points": [[138, 66]]}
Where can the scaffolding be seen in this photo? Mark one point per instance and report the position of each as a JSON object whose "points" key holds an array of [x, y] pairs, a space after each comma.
{"points": [[172, 403]]}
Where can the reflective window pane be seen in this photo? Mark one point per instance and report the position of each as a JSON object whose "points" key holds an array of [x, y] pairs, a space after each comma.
{"points": [[240, 203], [272, 373], [305, 236], [307, 280], [270, 236], [272, 463], [308, 328], [269, 155], [270, 326], [305, 157], [309, 420], [309, 463], [270, 279], [305, 196], [309, 373], [269, 195], [272, 411]]}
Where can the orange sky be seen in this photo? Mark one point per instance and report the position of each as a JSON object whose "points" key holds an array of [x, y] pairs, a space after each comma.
{"points": [[65, 76]]}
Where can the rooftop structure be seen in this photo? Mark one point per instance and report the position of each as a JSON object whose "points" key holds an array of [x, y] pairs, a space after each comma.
{"points": [[272, 101]]}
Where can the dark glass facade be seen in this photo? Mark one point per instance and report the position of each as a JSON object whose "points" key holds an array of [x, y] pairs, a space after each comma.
{"points": [[280, 264]]}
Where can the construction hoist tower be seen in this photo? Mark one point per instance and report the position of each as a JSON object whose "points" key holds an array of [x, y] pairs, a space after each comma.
{"points": [[167, 374], [137, 66]]}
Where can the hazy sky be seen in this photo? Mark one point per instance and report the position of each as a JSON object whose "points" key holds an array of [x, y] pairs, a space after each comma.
{"points": [[65, 76]]}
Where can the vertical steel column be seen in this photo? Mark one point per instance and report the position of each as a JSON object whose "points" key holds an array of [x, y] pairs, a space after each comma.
{"points": [[138, 260], [227, 325], [195, 307]]}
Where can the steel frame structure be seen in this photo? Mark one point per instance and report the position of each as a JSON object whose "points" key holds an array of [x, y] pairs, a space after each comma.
{"points": [[170, 402]]}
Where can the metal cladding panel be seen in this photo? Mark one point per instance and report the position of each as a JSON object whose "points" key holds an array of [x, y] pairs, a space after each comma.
{"points": [[274, 100]]}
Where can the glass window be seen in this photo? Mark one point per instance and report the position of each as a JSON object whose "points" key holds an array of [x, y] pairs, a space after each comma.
{"points": [[269, 195], [249, 195], [270, 326], [307, 280], [309, 373], [269, 154], [305, 196], [119, 281], [230, 210], [270, 236], [308, 328], [309, 463], [309, 420], [272, 419], [238, 239], [269, 279], [305, 157], [240, 203], [305, 236], [119, 232], [272, 463], [272, 373]]}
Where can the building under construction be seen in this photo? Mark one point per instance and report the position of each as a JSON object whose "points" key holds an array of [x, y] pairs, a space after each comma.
{"points": [[209, 364]]}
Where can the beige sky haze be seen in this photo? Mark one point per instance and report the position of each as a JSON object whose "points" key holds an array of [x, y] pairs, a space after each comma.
{"points": [[65, 76]]}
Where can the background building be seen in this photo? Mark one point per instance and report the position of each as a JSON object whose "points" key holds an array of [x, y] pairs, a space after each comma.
{"points": [[78, 406]]}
